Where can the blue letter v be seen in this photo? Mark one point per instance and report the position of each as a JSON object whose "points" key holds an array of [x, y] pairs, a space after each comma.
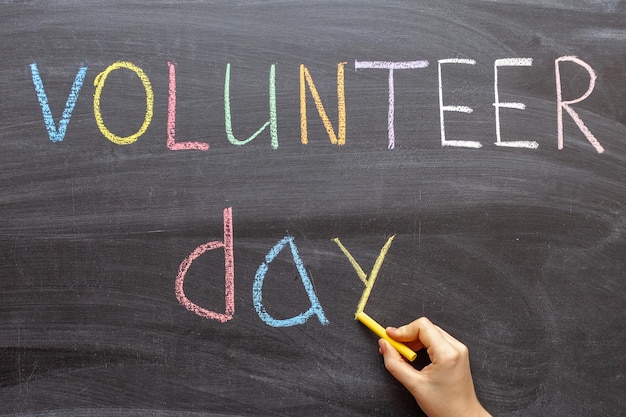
{"points": [[57, 135]]}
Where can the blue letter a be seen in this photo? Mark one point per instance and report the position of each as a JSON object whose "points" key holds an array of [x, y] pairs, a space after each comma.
{"points": [[57, 135], [257, 289]]}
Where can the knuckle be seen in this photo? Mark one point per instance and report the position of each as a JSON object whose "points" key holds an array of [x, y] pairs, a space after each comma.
{"points": [[423, 321], [455, 354]]}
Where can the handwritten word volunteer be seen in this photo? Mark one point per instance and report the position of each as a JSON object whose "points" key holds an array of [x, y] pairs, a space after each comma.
{"points": [[57, 132]]}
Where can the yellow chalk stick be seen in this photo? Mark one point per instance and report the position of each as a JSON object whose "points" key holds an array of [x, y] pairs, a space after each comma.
{"points": [[371, 324]]}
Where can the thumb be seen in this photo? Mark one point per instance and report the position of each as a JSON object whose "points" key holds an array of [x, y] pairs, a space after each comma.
{"points": [[405, 373]]}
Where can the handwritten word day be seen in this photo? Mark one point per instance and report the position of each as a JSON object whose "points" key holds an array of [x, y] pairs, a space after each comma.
{"points": [[57, 132], [315, 308]]}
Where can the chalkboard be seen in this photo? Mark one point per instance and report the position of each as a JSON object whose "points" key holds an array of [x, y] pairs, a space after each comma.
{"points": [[188, 191]]}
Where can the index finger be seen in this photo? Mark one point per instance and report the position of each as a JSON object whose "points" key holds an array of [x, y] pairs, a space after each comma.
{"points": [[419, 333]]}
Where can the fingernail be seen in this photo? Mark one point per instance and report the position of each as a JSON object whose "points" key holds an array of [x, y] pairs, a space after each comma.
{"points": [[381, 346]]}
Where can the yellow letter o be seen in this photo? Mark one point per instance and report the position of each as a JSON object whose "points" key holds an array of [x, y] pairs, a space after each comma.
{"points": [[99, 84]]}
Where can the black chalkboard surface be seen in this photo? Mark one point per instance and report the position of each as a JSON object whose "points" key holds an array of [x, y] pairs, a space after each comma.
{"points": [[178, 180]]}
